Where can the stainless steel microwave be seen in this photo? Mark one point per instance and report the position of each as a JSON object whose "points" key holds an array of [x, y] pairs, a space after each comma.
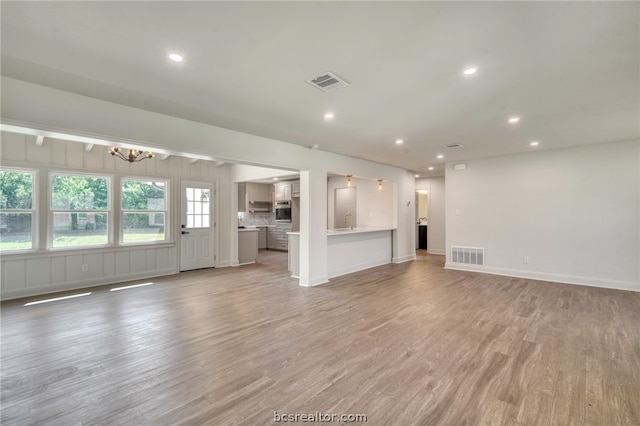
{"points": [[283, 211]]}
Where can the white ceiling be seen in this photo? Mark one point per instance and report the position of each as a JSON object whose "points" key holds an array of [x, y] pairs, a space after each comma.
{"points": [[571, 70]]}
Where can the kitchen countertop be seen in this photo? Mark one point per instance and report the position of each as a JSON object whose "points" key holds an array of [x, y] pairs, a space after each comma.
{"points": [[345, 231], [357, 230]]}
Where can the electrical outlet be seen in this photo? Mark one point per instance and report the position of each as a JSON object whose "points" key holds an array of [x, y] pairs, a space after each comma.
{"points": [[85, 268], [525, 260]]}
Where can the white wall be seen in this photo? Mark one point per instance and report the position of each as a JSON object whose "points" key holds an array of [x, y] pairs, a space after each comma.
{"points": [[49, 112], [436, 243], [374, 208], [46, 271], [574, 212]]}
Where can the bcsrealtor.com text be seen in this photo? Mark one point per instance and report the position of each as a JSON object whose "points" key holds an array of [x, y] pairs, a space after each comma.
{"points": [[318, 417]]}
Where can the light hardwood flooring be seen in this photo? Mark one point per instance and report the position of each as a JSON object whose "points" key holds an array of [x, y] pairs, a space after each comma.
{"points": [[408, 344]]}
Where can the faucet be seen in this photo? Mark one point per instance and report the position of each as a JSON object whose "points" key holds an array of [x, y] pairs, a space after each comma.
{"points": [[345, 220]]}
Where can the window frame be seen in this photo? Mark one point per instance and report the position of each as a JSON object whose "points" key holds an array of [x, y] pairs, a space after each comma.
{"points": [[33, 211], [122, 211], [51, 211]]}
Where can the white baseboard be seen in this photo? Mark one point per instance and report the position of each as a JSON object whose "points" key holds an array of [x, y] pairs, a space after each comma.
{"points": [[544, 276], [439, 252], [9, 294], [315, 281], [406, 258]]}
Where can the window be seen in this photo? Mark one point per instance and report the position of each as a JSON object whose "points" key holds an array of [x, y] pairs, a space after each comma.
{"points": [[144, 210], [80, 210], [198, 205], [17, 210]]}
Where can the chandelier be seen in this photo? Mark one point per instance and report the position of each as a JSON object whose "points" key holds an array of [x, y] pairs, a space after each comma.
{"points": [[134, 155]]}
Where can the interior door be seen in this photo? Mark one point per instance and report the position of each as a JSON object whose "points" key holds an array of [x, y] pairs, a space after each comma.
{"points": [[197, 238]]}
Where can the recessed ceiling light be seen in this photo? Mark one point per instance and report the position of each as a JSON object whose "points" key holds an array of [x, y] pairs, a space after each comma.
{"points": [[440, 157], [176, 57], [534, 143], [315, 146], [470, 70], [328, 116], [431, 168], [514, 120], [275, 178], [399, 141], [417, 175]]}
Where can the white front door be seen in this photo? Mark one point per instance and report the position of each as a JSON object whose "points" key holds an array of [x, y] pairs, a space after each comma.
{"points": [[196, 240]]}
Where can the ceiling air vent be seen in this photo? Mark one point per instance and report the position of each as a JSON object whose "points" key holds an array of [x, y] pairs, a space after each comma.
{"points": [[327, 81], [453, 146]]}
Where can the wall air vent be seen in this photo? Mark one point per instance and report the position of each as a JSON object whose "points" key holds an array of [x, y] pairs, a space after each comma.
{"points": [[453, 146], [467, 255], [327, 81]]}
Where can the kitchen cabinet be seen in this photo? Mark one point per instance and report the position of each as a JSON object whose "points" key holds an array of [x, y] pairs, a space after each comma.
{"points": [[271, 238], [422, 237], [295, 189], [255, 197], [282, 191], [277, 238], [247, 246], [262, 238], [258, 192]]}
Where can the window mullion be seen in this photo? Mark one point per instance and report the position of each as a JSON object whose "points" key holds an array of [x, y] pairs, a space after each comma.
{"points": [[116, 209]]}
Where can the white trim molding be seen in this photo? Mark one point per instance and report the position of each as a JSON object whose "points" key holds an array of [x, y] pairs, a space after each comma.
{"points": [[544, 276]]}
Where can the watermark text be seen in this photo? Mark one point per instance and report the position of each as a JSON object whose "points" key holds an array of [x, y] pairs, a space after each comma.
{"points": [[318, 417]]}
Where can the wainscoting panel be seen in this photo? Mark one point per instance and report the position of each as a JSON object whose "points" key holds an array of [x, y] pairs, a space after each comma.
{"points": [[40, 273]]}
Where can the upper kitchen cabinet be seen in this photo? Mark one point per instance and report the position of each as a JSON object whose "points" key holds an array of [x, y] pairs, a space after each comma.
{"points": [[295, 189], [282, 191], [258, 193], [255, 197]]}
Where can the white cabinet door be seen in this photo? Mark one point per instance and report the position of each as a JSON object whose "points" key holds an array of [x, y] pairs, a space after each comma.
{"points": [[262, 238], [283, 192], [258, 192]]}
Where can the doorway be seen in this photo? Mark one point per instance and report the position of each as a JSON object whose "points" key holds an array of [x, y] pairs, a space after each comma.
{"points": [[197, 226], [422, 218]]}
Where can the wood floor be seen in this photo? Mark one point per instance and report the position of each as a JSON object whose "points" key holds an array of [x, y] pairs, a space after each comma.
{"points": [[403, 344]]}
